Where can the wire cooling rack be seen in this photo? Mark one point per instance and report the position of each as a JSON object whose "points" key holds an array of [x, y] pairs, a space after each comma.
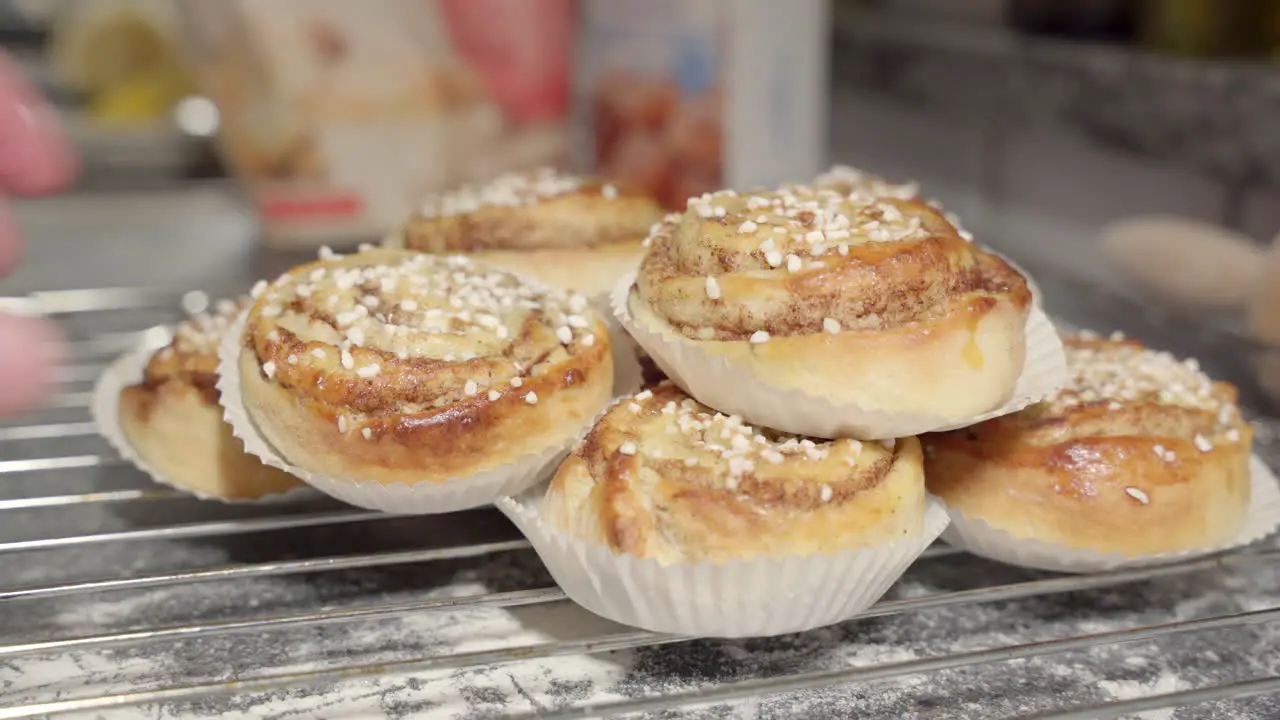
{"points": [[120, 598]]}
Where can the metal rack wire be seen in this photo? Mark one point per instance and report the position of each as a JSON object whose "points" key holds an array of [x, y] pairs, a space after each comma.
{"points": [[79, 530]]}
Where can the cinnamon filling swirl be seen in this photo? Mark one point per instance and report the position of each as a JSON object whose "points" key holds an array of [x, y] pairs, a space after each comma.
{"points": [[661, 476], [539, 210], [699, 450], [389, 333], [804, 260]]}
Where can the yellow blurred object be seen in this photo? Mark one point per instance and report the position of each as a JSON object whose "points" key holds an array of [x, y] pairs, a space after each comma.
{"points": [[138, 98], [123, 55], [1208, 28]]}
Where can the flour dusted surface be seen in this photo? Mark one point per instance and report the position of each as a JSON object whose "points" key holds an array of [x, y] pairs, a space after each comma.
{"points": [[1015, 688]]}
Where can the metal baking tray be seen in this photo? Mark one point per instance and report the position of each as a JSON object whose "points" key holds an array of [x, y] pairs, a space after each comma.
{"points": [[120, 598]]}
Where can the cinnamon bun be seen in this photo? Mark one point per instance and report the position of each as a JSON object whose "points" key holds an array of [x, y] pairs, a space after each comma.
{"points": [[869, 301], [173, 422], [660, 476], [400, 367], [1140, 454], [568, 231]]}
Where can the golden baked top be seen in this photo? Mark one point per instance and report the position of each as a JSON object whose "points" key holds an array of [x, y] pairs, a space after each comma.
{"points": [[539, 209], [1140, 453], [661, 475], [192, 354], [805, 260], [388, 332], [1119, 388]]}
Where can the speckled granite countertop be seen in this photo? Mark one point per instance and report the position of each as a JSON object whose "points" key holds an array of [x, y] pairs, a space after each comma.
{"points": [[916, 631], [1215, 117]]}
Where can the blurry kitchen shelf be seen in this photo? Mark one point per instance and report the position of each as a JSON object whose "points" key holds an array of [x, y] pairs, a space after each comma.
{"points": [[134, 156], [1217, 117], [123, 156]]}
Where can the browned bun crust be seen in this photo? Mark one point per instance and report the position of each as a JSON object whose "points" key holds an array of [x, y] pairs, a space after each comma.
{"points": [[566, 230], [1140, 454], [396, 366], [172, 418], [662, 477], [870, 300]]}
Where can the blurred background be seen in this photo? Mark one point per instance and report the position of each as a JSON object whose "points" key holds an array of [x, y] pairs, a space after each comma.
{"points": [[1127, 152]]}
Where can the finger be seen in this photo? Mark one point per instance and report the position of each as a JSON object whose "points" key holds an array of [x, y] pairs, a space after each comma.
{"points": [[31, 350], [11, 243], [35, 156]]}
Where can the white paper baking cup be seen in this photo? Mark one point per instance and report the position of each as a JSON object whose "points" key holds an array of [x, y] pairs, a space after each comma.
{"points": [[618, 336], [717, 382], [128, 370], [742, 598], [978, 537], [423, 498]]}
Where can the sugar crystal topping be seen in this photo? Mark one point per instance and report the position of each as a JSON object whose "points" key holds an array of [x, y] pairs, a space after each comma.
{"points": [[728, 437], [797, 227], [433, 307], [507, 190], [845, 178], [201, 333], [1123, 373], [429, 306]]}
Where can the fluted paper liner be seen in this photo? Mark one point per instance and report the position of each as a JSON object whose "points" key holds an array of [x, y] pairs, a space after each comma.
{"points": [[742, 598], [127, 370], [618, 335], [978, 537], [717, 382], [422, 498]]}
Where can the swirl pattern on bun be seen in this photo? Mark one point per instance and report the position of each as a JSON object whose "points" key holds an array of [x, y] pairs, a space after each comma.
{"points": [[661, 476], [565, 230], [875, 301], [396, 366], [1141, 453], [173, 421]]}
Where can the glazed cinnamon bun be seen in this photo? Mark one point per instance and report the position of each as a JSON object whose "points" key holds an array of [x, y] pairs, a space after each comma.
{"points": [[1141, 453], [661, 476], [863, 300], [173, 422], [401, 367], [565, 230]]}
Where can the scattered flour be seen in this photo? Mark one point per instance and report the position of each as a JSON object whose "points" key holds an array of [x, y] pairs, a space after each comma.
{"points": [[1163, 684], [525, 686]]}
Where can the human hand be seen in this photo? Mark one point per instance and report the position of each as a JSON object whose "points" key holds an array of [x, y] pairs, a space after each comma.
{"points": [[35, 159]]}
